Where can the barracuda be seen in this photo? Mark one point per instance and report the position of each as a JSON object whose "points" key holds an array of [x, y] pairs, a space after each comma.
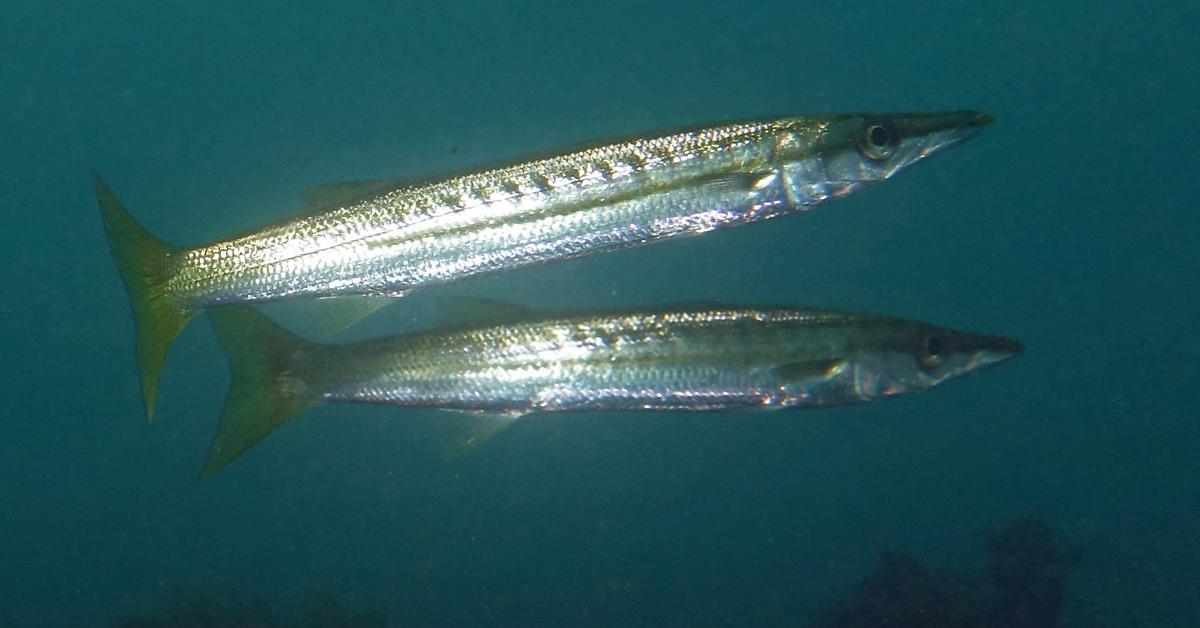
{"points": [[608, 196], [683, 357]]}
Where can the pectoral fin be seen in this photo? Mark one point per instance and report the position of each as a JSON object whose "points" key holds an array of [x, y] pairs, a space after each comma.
{"points": [[734, 182], [812, 369]]}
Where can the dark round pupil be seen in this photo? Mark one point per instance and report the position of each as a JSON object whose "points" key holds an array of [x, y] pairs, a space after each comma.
{"points": [[879, 136], [934, 346]]}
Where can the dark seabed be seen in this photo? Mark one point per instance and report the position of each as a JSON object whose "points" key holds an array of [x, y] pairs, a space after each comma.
{"points": [[1070, 224]]}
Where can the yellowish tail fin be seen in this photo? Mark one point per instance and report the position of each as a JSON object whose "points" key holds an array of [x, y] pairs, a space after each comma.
{"points": [[269, 380], [145, 263]]}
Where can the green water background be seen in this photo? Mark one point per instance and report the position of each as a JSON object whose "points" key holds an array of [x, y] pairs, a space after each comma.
{"points": [[1071, 225]]}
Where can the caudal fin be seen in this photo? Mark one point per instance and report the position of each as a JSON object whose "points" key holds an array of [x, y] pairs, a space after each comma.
{"points": [[145, 263], [268, 384]]}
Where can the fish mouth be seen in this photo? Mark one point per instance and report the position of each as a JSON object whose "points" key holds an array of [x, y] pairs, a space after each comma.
{"points": [[958, 124], [935, 132], [991, 350], [923, 134], [967, 124]]}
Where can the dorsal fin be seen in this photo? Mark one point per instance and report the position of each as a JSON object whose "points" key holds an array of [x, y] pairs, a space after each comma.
{"points": [[333, 195], [698, 304], [456, 311]]}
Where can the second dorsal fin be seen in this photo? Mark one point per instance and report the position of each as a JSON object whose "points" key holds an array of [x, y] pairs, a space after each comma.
{"points": [[333, 195]]}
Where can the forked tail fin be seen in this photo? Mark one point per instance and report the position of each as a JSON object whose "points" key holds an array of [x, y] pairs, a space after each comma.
{"points": [[145, 263], [268, 384]]}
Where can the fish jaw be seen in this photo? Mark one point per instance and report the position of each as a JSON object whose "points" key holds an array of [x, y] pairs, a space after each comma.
{"points": [[922, 135]]}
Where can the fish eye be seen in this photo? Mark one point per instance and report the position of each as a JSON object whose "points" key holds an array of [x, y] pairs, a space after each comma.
{"points": [[879, 141], [878, 136], [935, 350]]}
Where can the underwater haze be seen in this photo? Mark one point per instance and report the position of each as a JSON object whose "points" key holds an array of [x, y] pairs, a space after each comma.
{"points": [[1070, 225]]}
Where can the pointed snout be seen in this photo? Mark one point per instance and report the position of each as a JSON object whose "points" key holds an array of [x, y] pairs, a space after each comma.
{"points": [[924, 134], [958, 125], [991, 350]]}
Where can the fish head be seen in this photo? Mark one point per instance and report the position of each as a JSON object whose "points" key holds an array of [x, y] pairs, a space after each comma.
{"points": [[829, 157], [899, 357]]}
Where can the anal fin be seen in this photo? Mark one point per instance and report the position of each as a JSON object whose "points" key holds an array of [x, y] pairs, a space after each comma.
{"points": [[478, 428], [339, 314]]}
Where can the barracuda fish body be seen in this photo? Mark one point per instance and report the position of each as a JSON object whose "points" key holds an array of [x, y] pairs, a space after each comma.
{"points": [[583, 201], [687, 357]]}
